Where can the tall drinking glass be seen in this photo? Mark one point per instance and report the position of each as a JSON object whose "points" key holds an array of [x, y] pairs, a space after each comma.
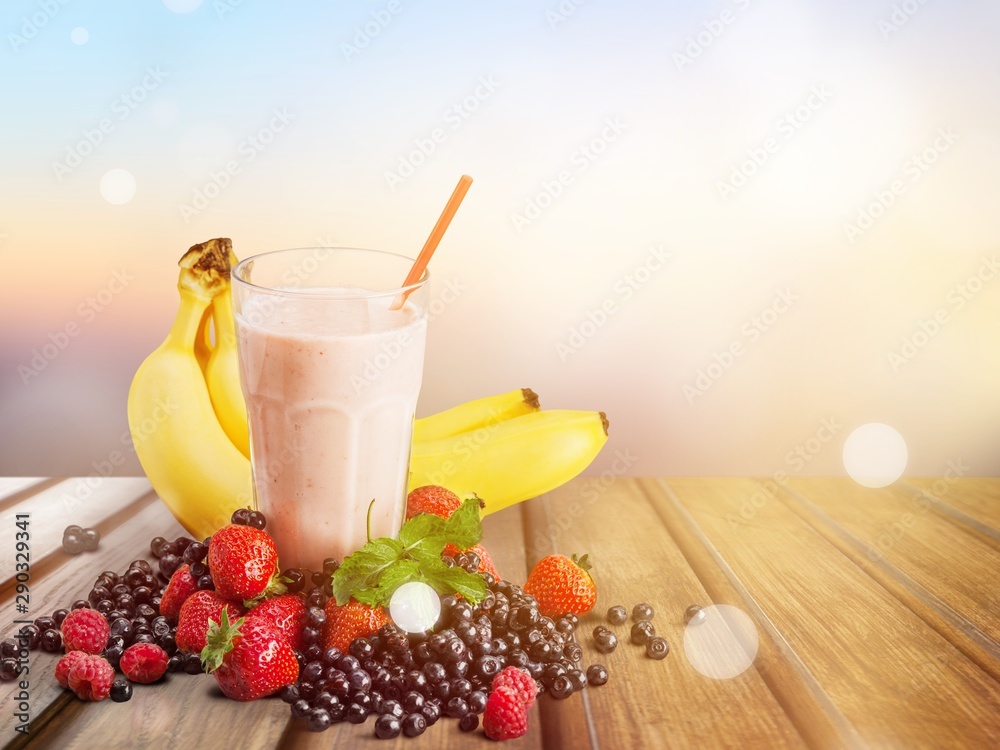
{"points": [[331, 373]]}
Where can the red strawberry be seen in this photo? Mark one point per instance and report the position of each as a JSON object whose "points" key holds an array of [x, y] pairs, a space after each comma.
{"points": [[520, 682], [91, 677], [85, 630], [249, 658], [485, 561], [506, 716], [431, 499], [182, 585], [198, 610], [243, 562], [287, 613], [144, 662], [562, 585], [353, 620], [65, 664]]}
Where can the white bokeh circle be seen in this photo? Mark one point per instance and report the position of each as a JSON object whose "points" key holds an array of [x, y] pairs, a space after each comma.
{"points": [[722, 644], [415, 607], [182, 6], [875, 455], [79, 35], [118, 186]]}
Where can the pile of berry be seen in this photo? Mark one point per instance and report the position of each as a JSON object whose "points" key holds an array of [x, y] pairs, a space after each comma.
{"points": [[642, 633]]}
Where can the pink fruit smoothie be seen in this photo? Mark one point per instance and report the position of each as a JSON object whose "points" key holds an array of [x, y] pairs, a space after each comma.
{"points": [[331, 387]]}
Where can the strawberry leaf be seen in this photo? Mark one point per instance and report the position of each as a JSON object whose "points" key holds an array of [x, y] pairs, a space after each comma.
{"points": [[463, 528]]}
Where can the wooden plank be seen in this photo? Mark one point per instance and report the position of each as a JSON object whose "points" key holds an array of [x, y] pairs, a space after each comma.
{"points": [[13, 485], [70, 579], [807, 706], [897, 681], [85, 502], [974, 501], [940, 569], [646, 703]]}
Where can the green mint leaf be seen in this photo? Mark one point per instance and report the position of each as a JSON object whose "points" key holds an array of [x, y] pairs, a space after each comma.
{"points": [[454, 580], [395, 576], [416, 531], [463, 528], [361, 570]]}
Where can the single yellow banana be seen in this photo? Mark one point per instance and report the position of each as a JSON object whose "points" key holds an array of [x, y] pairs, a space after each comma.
{"points": [[191, 463], [223, 375], [514, 460], [474, 415]]}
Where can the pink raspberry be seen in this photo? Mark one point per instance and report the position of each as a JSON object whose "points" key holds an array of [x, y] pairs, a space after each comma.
{"points": [[65, 664], [91, 677], [506, 716], [520, 682], [144, 662], [85, 630]]}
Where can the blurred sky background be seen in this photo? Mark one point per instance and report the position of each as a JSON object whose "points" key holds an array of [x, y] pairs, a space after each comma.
{"points": [[740, 228]]}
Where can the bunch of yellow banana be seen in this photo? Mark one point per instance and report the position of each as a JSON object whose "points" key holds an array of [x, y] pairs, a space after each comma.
{"points": [[189, 424]]}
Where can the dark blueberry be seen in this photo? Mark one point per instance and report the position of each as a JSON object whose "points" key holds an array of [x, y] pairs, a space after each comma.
{"points": [[312, 672], [256, 519], [541, 651], [431, 711], [295, 580], [606, 642], [442, 690], [144, 638], [326, 701], [642, 612], [9, 669], [657, 648], [142, 594], [517, 658], [121, 690], [145, 610], [487, 667], [359, 680], [416, 681], [331, 656], [361, 648], [564, 626], [318, 720], [51, 641], [362, 699], [392, 708], [551, 672], [192, 664], [241, 517], [289, 693], [477, 701], [461, 687], [313, 651], [642, 631], [617, 615], [562, 687], [694, 614], [316, 617], [414, 724], [45, 623], [434, 672], [456, 707], [9, 648], [572, 651], [330, 566], [31, 635], [459, 669], [307, 691], [578, 678], [176, 663], [197, 569], [205, 583], [195, 553], [134, 577], [311, 635], [347, 663], [81, 604], [597, 674], [301, 709], [356, 714], [168, 565], [535, 669], [469, 723], [387, 727], [59, 615]]}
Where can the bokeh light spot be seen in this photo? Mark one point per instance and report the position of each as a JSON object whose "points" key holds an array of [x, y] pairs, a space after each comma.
{"points": [[415, 607], [118, 186], [875, 455], [722, 644], [79, 35]]}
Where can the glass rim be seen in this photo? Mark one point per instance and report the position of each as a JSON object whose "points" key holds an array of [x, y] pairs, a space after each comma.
{"points": [[305, 293]]}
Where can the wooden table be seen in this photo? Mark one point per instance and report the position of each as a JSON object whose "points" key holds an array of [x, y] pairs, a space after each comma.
{"points": [[876, 613]]}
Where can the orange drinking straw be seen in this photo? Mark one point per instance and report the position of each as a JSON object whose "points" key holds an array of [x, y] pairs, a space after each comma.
{"points": [[435, 238]]}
